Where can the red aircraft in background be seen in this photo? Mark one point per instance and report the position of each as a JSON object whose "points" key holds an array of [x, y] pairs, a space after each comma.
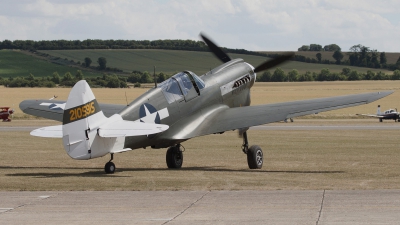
{"points": [[5, 112]]}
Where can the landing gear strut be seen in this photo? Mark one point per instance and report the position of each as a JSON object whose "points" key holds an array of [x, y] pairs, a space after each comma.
{"points": [[110, 166], [254, 154], [174, 157]]}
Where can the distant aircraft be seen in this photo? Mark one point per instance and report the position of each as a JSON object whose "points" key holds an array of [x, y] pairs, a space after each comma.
{"points": [[390, 114], [182, 107], [5, 113]]}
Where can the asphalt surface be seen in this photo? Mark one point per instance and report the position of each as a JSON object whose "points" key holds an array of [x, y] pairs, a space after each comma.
{"points": [[326, 127], [207, 207], [201, 207]]}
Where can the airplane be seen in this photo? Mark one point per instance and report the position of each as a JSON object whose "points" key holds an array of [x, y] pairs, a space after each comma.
{"points": [[5, 113], [390, 114], [182, 107]]}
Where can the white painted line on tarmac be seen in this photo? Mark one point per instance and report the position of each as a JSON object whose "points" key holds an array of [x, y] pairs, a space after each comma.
{"points": [[44, 196], [3, 210]]}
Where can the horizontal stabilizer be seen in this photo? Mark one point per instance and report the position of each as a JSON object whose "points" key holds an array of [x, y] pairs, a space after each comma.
{"points": [[124, 128], [50, 132]]}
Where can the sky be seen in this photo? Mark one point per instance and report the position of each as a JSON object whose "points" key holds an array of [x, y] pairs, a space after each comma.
{"points": [[258, 25]]}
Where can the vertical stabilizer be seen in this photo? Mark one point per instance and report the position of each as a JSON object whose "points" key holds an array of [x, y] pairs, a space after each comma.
{"points": [[378, 111], [81, 114]]}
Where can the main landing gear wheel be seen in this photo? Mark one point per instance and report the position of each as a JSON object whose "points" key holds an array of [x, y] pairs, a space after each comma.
{"points": [[174, 157], [255, 156], [110, 166]]}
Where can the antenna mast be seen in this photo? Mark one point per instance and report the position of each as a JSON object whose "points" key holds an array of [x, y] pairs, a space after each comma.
{"points": [[155, 79]]}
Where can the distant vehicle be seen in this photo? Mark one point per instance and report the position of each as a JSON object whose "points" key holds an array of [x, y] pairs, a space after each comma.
{"points": [[5, 113], [390, 114]]}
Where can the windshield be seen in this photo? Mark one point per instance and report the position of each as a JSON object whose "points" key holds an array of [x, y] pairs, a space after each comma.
{"points": [[200, 83]]}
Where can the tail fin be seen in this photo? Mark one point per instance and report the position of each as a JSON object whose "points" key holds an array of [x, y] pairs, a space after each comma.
{"points": [[378, 111], [82, 114], [87, 133]]}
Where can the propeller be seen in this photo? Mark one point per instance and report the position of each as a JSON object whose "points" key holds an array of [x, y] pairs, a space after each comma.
{"points": [[217, 51], [11, 111], [221, 55], [273, 62]]}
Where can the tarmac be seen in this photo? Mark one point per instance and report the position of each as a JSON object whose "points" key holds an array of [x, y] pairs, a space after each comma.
{"points": [[202, 207]]}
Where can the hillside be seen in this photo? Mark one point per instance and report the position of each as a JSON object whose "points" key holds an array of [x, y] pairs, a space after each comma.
{"points": [[171, 61], [14, 64], [19, 63]]}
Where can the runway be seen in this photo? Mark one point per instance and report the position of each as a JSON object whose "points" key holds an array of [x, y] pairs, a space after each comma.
{"points": [[325, 127], [201, 207]]}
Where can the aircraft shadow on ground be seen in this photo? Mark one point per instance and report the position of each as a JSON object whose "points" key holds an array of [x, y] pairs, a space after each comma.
{"points": [[100, 173]]}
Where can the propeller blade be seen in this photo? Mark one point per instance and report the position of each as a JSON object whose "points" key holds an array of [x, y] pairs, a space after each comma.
{"points": [[215, 49], [274, 62]]}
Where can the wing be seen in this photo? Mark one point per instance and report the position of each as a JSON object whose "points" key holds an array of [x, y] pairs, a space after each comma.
{"points": [[54, 109], [370, 115], [222, 118]]}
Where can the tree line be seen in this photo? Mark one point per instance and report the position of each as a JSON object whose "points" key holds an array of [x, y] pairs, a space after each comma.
{"points": [[359, 55], [103, 44], [317, 48], [325, 75], [138, 78], [68, 80]]}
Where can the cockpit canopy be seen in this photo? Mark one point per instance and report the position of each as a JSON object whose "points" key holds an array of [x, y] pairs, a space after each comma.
{"points": [[180, 85], [390, 111]]}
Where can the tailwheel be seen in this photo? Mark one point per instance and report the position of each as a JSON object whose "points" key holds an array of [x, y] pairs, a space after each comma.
{"points": [[255, 157], [110, 166], [174, 157]]}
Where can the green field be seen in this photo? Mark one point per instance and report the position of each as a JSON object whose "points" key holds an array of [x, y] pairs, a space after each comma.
{"points": [[15, 63], [171, 61]]}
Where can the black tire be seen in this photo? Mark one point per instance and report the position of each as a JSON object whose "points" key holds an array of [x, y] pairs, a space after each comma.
{"points": [[109, 167], [380, 120], [174, 157], [255, 157]]}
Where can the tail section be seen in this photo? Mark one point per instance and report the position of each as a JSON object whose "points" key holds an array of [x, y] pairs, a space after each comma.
{"points": [[378, 111], [87, 133], [82, 115]]}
